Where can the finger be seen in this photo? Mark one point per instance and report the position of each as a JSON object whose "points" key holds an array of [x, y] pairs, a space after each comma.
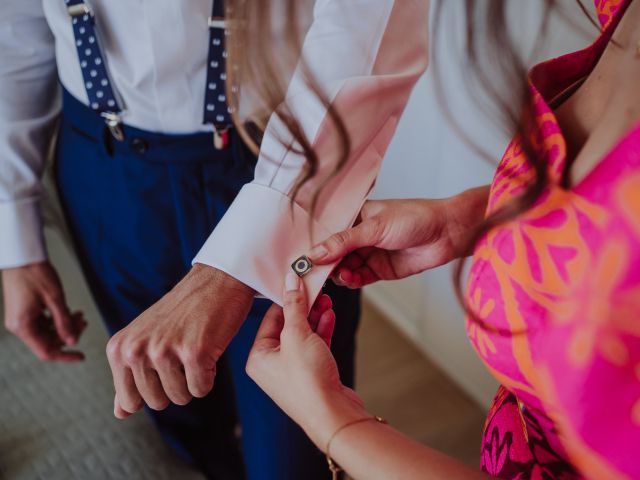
{"points": [[79, 323], [367, 276], [345, 277], [295, 305], [148, 385], [335, 278], [326, 326], [355, 279], [50, 350], [321, 305], [66, 356], [174, 382], [118, 411], [62, 318], [340, 244], [271, 327], [126, 391], [43, 341], [35, 338], [199, 380], [353, 261]]}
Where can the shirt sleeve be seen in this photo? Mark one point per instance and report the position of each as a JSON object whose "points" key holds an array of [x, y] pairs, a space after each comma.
{"points": [[29, 105], [366, 56]]}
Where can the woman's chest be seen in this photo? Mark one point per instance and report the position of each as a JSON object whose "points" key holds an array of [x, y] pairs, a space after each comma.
{"points": [[548, 265]]}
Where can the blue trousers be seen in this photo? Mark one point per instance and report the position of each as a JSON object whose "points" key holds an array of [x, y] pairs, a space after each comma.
{"points": [[138, 211]]}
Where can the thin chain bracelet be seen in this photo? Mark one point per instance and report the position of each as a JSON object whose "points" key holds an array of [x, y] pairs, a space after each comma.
{"points": [[333, 466]]}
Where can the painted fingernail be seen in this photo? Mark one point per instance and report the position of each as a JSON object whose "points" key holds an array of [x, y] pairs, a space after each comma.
{"points": [[318, 252], [291, 282]]}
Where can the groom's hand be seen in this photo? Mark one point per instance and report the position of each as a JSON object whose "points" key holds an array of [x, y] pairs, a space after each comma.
{"points": [[169, 353]]}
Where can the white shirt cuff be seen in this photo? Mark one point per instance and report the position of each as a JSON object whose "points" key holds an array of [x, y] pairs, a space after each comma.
{"points": [[21, 241], [259, 238]]}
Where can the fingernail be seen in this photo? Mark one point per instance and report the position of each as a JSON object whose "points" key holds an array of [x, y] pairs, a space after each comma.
{"points": [[318, 252], [291, 282]]}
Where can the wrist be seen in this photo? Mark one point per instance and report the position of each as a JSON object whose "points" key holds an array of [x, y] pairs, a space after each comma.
{"points": [[464, 212], [335, 410], [218, 281]]}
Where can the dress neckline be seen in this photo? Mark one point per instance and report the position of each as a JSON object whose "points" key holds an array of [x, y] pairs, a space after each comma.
{"points": [[548, 81]]}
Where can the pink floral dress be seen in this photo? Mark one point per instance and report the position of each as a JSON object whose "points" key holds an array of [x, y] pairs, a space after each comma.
{"points": [[563, 280]]}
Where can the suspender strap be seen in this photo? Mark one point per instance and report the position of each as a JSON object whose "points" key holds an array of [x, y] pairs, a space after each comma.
{"points": [[97, 84], [216, 110], [101, 94]]}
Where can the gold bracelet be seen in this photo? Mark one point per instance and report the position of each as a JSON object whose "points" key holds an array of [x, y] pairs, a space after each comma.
{"points": [[333, 466]]}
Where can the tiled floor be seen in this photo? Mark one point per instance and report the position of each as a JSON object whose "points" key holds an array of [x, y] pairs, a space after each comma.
{"points": [[401, 385]]}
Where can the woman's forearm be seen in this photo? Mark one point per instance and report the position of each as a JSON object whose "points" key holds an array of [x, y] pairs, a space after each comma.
{"points": [[374, 451], [465, 212]]}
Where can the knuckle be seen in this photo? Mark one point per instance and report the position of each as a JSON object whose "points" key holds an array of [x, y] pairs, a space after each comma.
{"points": [[194, 358], [159, 353], [374, 227], [294, 299], [340, 239], [294, 296], [114, 346], [133, 352]]}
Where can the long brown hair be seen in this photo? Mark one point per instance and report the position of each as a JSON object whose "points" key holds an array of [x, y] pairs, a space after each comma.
{"points": [[256, 64], [487, 35]]}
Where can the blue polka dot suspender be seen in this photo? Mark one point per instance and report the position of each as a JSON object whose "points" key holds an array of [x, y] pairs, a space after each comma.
{"points": [[102, 96], [216, 109]]}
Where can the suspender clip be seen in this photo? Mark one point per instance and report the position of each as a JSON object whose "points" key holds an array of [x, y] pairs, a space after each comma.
{"points": [[114, 124], [79, 9], [217, 22], [220, 136]]}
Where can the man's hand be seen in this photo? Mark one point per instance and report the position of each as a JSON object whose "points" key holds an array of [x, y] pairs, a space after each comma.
{"points": [[36, 311], [169, 353]]}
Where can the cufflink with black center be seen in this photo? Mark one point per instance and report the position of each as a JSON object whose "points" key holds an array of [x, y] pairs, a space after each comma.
{"points": [[302, 266]]}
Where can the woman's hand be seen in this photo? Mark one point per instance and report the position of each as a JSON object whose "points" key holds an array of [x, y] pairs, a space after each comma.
{"points": [[398, 238], [291, 361]]}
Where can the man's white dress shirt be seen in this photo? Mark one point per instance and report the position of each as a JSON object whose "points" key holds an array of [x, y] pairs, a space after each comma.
{"points": [[366, 56]]}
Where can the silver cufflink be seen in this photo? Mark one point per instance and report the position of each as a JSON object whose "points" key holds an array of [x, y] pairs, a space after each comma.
{"points": [[302, 266]]}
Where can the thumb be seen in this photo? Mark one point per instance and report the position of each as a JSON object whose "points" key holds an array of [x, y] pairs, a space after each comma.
{"points": [[295, 305], [269, 331], [62, 318], [365, 234]]}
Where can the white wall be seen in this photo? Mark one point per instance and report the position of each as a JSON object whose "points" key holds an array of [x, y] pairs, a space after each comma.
{"points": [[427, 159]]}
